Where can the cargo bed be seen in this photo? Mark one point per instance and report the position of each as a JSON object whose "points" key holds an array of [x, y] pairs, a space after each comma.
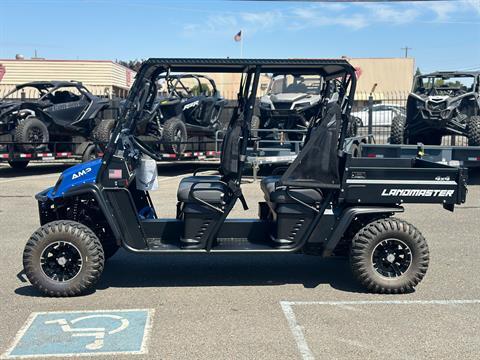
{"points": [[397, 181]]}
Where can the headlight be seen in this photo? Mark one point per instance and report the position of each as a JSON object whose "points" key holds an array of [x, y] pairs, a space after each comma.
{"points": [[301, 105], [420, 104], [454, 104]]}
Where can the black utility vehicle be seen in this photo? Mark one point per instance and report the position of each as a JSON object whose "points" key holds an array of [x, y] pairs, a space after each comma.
{"points": [[291, 103], [441, 103], [184, 106], [326, 203], [35, 113]]}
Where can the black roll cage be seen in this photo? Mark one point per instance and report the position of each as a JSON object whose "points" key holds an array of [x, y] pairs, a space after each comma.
{"points": [[174, 79], [46, 88], [251, 69]]}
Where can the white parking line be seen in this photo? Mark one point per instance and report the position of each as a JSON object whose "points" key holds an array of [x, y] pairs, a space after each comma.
{"points": [[297, 329]]}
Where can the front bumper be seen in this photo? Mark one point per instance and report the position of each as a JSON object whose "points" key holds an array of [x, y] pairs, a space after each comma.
{"points": [[45, 207]]}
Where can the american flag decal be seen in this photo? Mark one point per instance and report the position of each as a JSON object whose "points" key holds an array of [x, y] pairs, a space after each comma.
{"points": [[115, 173]]}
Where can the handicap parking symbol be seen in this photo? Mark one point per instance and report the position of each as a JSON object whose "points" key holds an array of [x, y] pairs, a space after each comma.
{"points": [[78, 333]]}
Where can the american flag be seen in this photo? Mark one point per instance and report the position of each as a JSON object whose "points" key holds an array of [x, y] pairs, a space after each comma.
{"points": [[238, 36], [115, 173]]}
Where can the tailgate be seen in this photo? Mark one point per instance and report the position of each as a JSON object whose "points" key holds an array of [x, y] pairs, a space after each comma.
{"points": [[396, 181]]}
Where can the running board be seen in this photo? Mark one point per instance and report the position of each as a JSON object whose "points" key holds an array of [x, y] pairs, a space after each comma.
{"points": [[222, 245]]}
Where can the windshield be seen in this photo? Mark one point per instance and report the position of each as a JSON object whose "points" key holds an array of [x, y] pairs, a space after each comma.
{"points": [[444, 84], [287, 84]]}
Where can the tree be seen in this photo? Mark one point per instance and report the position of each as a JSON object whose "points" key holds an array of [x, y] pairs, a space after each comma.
{"points": [[131, 64], [418, 72]]}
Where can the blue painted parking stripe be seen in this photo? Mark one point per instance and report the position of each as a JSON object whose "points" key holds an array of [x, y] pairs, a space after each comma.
{"points": [[83, 333]]}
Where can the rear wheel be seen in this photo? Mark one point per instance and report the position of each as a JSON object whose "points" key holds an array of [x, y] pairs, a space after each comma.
{"points": [[89, 153], [174, 134], [473, 131], [389, 256], [103, 131], [397, 130], [63, 258], [18, 165], [33, 133]]}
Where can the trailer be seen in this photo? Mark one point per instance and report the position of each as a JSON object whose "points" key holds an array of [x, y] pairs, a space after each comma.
{"points": [[277, 150], [464, 156], [62, 152]]}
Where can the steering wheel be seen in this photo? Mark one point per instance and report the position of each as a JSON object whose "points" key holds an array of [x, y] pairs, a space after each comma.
{"points": [[144, 148]]}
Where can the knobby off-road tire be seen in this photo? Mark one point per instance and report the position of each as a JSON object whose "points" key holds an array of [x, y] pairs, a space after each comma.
{"points": [[254, 126], [68, 247], [174, 133], [397, 130], [352, 128], [473, 131], [103, 130], [32, 131], [89, 153], [394, 271]]}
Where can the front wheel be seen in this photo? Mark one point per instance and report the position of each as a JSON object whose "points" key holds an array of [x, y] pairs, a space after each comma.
{"points": [[473, 131], [63, 258], [31, 134], [389, 256], [397, 130], [175, 136]]}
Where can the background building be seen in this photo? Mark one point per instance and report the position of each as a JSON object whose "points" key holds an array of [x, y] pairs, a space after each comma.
{"points": [[103, 78], [392, 76]]}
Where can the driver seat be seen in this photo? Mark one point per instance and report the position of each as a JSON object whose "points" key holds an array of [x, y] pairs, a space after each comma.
{"points": [[215, 188], [202, 200]]}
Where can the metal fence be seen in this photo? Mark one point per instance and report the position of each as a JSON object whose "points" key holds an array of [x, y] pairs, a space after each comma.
{"points": [[377, 110]]}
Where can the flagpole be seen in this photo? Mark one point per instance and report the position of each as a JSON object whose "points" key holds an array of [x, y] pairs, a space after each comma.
{"points": [[241, 43]]}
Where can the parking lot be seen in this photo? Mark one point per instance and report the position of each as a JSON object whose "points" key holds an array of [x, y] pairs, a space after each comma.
{"points": [[262, 306]]}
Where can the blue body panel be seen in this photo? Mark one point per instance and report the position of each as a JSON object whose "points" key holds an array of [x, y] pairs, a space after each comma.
{"points": [[76, 175]]}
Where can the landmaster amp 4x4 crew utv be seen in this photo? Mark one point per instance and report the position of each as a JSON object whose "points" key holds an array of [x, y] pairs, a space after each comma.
{"points": [[441, 103], [35, 113], [326, 203], [189, 106]]}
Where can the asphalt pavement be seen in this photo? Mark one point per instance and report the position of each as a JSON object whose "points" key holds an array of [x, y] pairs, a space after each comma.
{"points": [[262, 306]]}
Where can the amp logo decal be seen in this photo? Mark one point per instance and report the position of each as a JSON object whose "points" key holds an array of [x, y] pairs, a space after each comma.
{"points": [[81, 173]]}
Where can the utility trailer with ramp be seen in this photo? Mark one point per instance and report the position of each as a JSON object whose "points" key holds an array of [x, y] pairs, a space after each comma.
{"points": [[460, 156]]}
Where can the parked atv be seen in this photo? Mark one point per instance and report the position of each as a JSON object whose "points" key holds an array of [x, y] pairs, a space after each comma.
{"points": [[185, 105], [291, 103], [38, 112], [441, 103], [326, 203]]}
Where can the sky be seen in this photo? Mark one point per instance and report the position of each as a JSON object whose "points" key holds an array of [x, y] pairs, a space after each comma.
{"points": [[442, 35]]}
